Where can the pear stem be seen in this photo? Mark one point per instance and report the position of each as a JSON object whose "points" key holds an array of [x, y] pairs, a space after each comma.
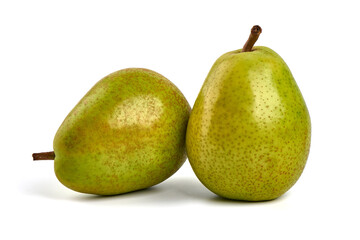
{"points": [[43, 156], [254, 35]]}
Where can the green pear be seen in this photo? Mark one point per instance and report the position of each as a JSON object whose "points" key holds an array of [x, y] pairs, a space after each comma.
{"points": [[248, 136], [127, 133]]}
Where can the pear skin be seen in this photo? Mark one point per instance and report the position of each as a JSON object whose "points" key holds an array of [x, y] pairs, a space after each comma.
{"points": [[248, 137], [127, 133]]}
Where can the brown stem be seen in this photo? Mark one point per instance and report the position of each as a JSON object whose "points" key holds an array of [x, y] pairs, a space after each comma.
{"points": [[254, 35], [43, 156]]}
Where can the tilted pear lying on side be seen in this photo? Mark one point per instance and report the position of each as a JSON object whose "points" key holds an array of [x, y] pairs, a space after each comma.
{"points": [[248, 137], [127, 133]]}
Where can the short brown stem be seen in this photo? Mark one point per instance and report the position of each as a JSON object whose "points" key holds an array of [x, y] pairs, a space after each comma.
{"points": [[254, 35], [43, 156]]}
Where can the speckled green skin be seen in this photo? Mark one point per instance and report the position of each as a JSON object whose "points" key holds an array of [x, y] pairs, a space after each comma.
{"points": [[248, 136], [127, 133]]}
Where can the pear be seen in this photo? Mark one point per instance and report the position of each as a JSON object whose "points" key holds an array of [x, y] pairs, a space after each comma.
{"points": [[248, 136], [127, 133]]}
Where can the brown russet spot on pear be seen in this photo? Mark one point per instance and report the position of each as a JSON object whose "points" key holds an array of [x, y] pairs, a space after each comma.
{"points": [[248, 137], [127, 133]]}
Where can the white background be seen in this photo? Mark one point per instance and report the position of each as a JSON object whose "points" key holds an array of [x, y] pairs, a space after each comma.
{"points": [[51, 54]]}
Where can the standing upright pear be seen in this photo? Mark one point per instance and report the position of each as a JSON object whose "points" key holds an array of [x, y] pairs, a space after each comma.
{"points": [[248, 137]]}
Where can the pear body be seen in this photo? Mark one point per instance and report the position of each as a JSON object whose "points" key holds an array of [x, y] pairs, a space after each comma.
{"points": [[127, 133], [248, 136]]}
